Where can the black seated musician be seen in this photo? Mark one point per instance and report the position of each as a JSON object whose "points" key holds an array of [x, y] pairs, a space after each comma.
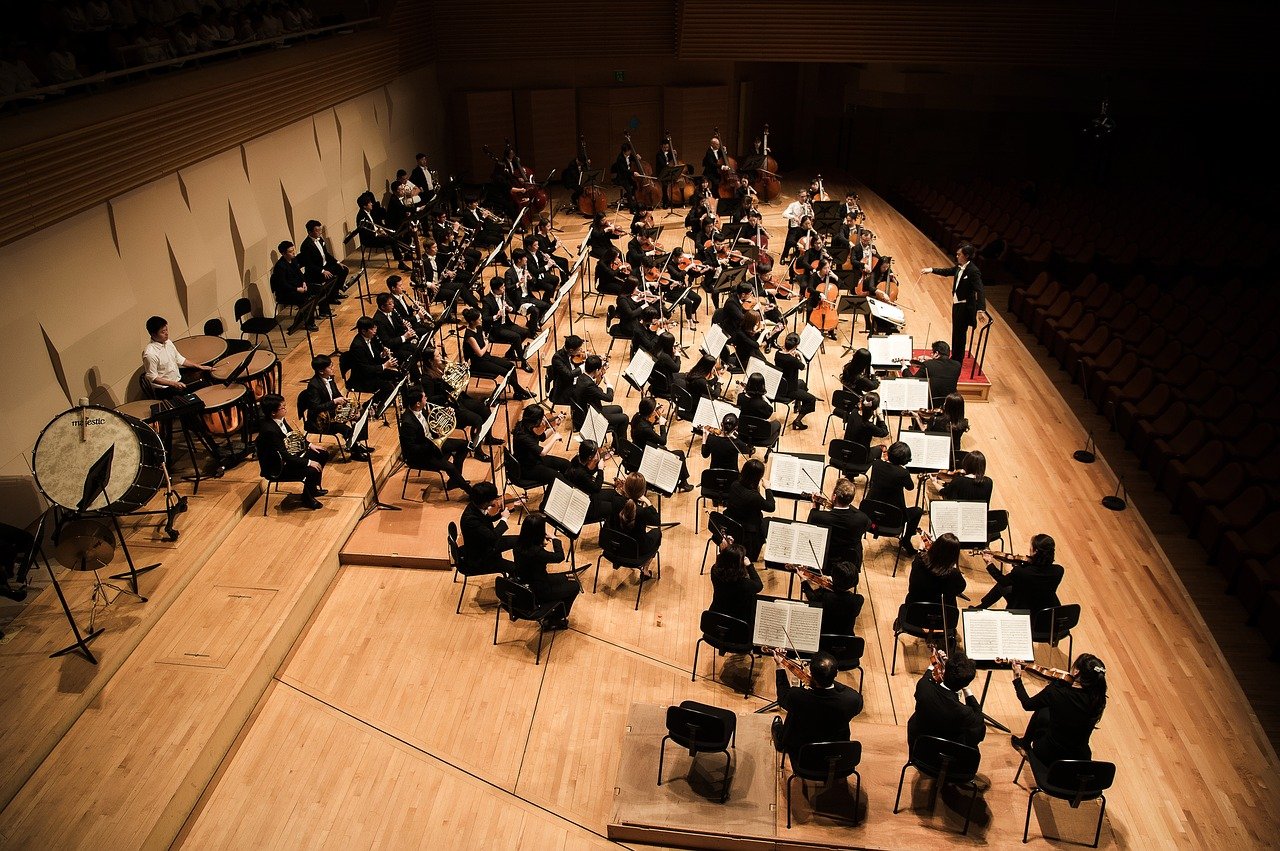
{"points": [[967, 297], [1031, 584], [484, 530], [319, 266], [840, 603], [404, 305], [864, 285], [730, 317], [865, 421], [943, 372], [586, 473], [321, 398], [573, 177], [486, 232], [566, 369], [857, 375], [536, 548], [521, 290], [752, 402], [508, 182], [637, 517], [706, 251], [819, 712], [421, 451], [889, 483], [746, 505], [649, 427], [724, 448], [793, 388], [846, 524], [948, 419], [549, 244], [808, 260], [696, 218], [162, 364], [715, 165], [686, 284], [734, 583], [793, 246], [816, 289], [972, 485], [287, 283], [600, 239], [612, 275], [398, 211], [479, 353], [626, 310], [500, 322], [851, 207], [935, 573], [373, 370], [745, 339], [702, 381], [948, 709], [1064, 715], [743, 191], [666, 366], [449, 282], [372, 224], [532, 441], [624, 170], [595, 391], [547, 274], [471, 413], [647, 331], [394, 332], [307, 466]]}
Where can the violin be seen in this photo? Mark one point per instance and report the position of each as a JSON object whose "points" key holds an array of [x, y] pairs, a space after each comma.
{"points": [[812, 577], [1000, 555], [580, 357], [620, 266], [938, 664], [796, 669], [603, 453], [1042, 671], [492, 510], [550, 422]]}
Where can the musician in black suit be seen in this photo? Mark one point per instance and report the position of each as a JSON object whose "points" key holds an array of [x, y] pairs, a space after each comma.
{"points": [[724, 448], [531, 559], [649, 428], [276, 460], [394, 331], [624, 169], [846, 524], [889, 483], [793, 389], [715, 163], [734, 583], [484, 525], [752, 402], [968, 301], [1031, 584], [547, 273], [948, 709], [421, 177], [521, 288], [449, 282], [1064, 715], [840, 603], [372, 368], [943, 372], [372, 224], [595, 391], [532, 440], [421, 452], [321, 398], [288, 285], [586, 473], [820, 712], [319, 266], [500, 323], [408, 308]]}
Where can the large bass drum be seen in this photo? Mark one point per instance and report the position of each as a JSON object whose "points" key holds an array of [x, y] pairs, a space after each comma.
{"points": [[75, 440]]}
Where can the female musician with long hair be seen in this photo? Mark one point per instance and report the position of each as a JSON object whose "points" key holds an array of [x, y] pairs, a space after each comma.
{"points": [[637, 517], [949, 419], [479, 353], [865, 421], [724, 448], [734, 583], [973, 485], [753, 403], [1031, 584], [703, 380], [1064, 714], [531, 559], [746, 505], [935, 573], [857, 375], [532, 440]]}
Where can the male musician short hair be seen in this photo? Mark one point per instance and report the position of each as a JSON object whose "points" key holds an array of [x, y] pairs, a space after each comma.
{"points": [[483, 493], [823, 670], [844, 576], [532, 239], [383, 300], [594, 363], [155, 323], [519, 254], [364, 323], [392, 280], [413, 396], [270, 404], [967, 250], [572, 343], [419, 156], [975, 463], [366, 197], [900, 454], [959, 671], [401, 173], [744, 289], [942, 348], [791, 341], [496, 284], [312, 224], [284, 246], [320, 363], [844, 492]]}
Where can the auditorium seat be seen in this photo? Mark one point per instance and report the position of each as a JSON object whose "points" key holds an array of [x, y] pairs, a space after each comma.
{"points": [[1235, 516], [1220, 488], [1181, 473]]}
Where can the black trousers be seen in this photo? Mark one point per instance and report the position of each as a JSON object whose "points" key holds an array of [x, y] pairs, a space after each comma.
{"points": [[547, 470], [374, 241], [960, 325]]}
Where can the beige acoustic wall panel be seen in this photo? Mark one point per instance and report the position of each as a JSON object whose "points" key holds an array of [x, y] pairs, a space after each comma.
{"points": [[417, 122], [547, 128], [484, 118], [32, 393], [692, 113], [364, 150], [224, 209], [604, 114], [141, 226], [339, 210]]}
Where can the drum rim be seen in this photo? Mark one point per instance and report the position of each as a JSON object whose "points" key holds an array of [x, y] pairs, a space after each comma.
{"points": [[235, 385], [249, 372], [140, 427]]}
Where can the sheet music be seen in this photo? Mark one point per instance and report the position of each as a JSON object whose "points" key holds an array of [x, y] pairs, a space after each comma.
{"points": [[991, 634], [888, 350], [567, 506], [660, 468], [713, 341], [962, 518], [710, 412], [484, 429], [793, 474], [887, 312], [772, 376], [640, 368], [796, 543], [569, 283], [787, 624], [537, 342], [904, 394], [929, 451], [595, 426], [810, 342]]}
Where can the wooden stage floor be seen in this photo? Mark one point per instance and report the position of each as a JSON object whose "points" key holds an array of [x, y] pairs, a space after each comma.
{"points": [[338, 701]]}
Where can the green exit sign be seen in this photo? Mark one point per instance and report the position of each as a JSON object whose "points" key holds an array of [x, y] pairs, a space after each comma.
{"points": [[619, 76]]}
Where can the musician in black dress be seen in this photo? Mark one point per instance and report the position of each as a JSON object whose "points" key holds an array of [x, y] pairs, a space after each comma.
{"points": [[793, 389], [276, 460], [846, 524], [649, 428], [724, 448], [1031, 584], [865, 422], [1064, 714], [479, 353], [967, 298], [547, 273], [747, 505], [595, 391], [857, 375], [586, 473], [752, 402], [889, 483], [973, 484], [935, 573], [420, 448], [819, 712], [535, 549], [703, 380], [372, 223], [734, 583], [948, 709], [321, 399], [840, 603], [613, 276], [637, 517], [484, 530], [532, 440], [500, 322], [666, 366]]}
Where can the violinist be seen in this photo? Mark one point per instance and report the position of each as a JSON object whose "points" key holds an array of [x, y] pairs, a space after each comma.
{"points": [[531, 559], [935, 573], [484, 527], [479, 354], [500, 322], [847, 527], [973, 485], [371, 222], [600, 239], [734, 583], [745, 338], [723, 446], [798, 210], [708, 242], [890, 481], [818, 712], [702, 381], [666, 366], [652, 326], [683, 278], [746, 505], [715, 165], [637, 517], [793, 389], [596, 392], [865, 421], [522, 290], [945, 706], [649, 427], [626, 310], [613, 276], [840, 604], [857, 376], [1064, 715], [532, 441], [943, 372], [624, 171], [1030, 584], [586, 473], [699, 212], [566, 369], [949, 419], [753, 403]]}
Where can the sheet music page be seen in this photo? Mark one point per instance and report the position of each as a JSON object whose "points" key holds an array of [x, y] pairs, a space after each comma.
{"points": [[965, 519], [713, 341], [804, 625], [928, 451], [886, 350], [484, 430], [810, 342], [595, 426], [993, 634], [640, 368], [771, 624], [1015, 636], [772, 376], [904, 394], [567, 506], [809, 547], [792, 474], [537, 342], [780, 544], [660, 468], [711, 411], [887, 312]]}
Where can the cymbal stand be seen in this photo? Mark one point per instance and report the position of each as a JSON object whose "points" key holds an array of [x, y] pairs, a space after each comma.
{"points": [[81, 644]]}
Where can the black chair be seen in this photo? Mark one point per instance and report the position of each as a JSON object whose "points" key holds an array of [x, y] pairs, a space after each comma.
{"points": [[997, 525], [1050, 626], [214, 328], [304, 416], [458, 555], [848, 650], [843, 403], [414, 468], [367, 251], [825, 763], [682, 401], [851, 459], [258, 326], [271, 468], [887, 521], [520, 604], [700, 729], [344, 369], [513, 477], [614, 329], [758, 433], [949, 764], [1073, 780], [630, 456], [713, 487], [622, 550], [719, 525], [725, 634], [925, 621]]}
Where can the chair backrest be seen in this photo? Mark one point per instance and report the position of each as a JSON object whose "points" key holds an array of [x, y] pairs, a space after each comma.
{"points": [[1055, 623], [719, 524], [885, 518], [848, 453], [214, 327], [715, 482], [681, 398], [511, 467], [514, 598], [631, 457], [933, 754], [844, 401], [829, 760], [455, 549], [618, 545], [847, 649], [695, 729], [755, 431], [927, 617], [243, 307], [301, 405], [270, 464], [1079, 780], [721, 628], [997, 522]]}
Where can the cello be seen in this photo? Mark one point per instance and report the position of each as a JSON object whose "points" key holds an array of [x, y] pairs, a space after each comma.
{"points": [[681, 190], [768, 186], [728, 168], [824, 316], [648, 192], [592, 199]]}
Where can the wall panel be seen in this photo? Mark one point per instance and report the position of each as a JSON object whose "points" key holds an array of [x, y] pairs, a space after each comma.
{"points": [[605, 114], [485, 118], [546, 128], [691, 113]]}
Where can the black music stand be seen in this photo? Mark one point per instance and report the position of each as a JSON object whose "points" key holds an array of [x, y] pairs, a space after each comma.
{"points": [[728, 207], [310, 309], [95, 485], [728, 279], [826, 217], [360, 426], [670, 174]]}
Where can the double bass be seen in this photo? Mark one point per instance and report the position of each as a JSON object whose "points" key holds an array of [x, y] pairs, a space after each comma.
{"points": [[768, 185], [681, 190], [525, 191], [728, 187], [592, 199], [648, 191]]}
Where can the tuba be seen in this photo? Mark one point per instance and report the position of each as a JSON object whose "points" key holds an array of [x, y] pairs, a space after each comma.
{"points": [[441, 422], [455, 376]]}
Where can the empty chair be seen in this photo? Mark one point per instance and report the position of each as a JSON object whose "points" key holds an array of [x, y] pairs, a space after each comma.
{"points": [[931, 622], [1073, 780], [699, 729], [1051, 625], [258, 326]]}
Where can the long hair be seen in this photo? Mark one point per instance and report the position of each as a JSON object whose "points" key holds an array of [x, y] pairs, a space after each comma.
{"points": [[944, 555], [533, 531], [731, 565], [953, 408], [633, 488], [752, 473], [1043, 549], [1091, 674]]}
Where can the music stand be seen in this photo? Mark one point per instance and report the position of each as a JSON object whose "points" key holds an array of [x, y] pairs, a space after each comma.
{"points": [[95, 485], [826, 217], [728, 279], [670, 174], [728, 207], [360, 425], [82, 639], [481, 433]]}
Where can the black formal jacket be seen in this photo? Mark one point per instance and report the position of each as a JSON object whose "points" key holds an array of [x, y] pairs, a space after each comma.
{"points": [[711, 162], [736, 598], [722, 451], [925, 586], [748, 506], [273, 457], [564, 375], [316, 398], [939, 712], [531, 568], [417, 450], [861, 431], [491, 312], [755, 406], [943, 375], [1065, 732], [1030, 586], [968, 289], [527, 447], [366, 368], [889, 483], [839, 608], [815, 716], [583, 478], [790, 366], [844, 541], [389, 327], [591, 395], [286, 277], [418, 177], [311, 259], [644, 433], [481, 537], [968, 488]]}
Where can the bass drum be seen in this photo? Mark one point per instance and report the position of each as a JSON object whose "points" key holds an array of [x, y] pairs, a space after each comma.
{"points": [[76, 440]]}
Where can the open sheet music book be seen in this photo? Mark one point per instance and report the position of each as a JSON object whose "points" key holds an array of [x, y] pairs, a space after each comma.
{"points": [[887, 312], [991, 634], [929, 451], [711, 411], [713, 341], [595, 426], [796, 543], [567, 506], [966, 520], [640, 368], [795, 475], [772, 376], [810, 342], [787, 624], [661, 469], [904, 394], [888, 350]]}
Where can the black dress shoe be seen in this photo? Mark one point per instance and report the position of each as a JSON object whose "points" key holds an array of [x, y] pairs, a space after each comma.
{"points": [[359, 454], [455, 484], [322, 492], [524, 367], [481, 455], [311, 503], [798, 426], [16, 594], [313, 327], [494, 441], [684, 487]]}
